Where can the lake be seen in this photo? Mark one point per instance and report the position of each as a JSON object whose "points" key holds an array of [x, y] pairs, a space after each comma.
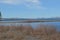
{"points": [[35, 24]]}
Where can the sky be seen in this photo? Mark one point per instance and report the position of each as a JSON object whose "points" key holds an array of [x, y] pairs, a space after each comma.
{"points": [[30, 8]]}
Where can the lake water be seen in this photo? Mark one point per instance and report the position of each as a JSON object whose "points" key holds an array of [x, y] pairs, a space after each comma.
{"points": [[56, 24]]}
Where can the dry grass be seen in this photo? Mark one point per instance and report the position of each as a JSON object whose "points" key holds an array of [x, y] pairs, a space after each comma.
{"points": [[42, 32]]}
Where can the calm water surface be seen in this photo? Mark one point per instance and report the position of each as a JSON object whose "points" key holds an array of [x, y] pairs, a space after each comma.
{"points": [[56, 24]]}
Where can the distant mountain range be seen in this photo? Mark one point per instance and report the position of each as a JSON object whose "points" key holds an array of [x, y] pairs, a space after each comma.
{"points": [[16, 19], [49, 19]]}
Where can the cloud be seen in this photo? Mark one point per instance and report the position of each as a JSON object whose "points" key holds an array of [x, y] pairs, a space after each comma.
{"points": [[15, 2], [27, 3]]}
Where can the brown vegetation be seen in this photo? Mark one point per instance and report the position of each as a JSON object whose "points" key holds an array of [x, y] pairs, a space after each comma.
{"points": [[42, 32]]}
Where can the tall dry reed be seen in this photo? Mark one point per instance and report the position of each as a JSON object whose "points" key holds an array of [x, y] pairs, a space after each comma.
{"points": [[41, 32]]}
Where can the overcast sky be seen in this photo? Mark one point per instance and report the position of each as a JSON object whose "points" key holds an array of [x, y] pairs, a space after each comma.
{"points": [[30, 8]]}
